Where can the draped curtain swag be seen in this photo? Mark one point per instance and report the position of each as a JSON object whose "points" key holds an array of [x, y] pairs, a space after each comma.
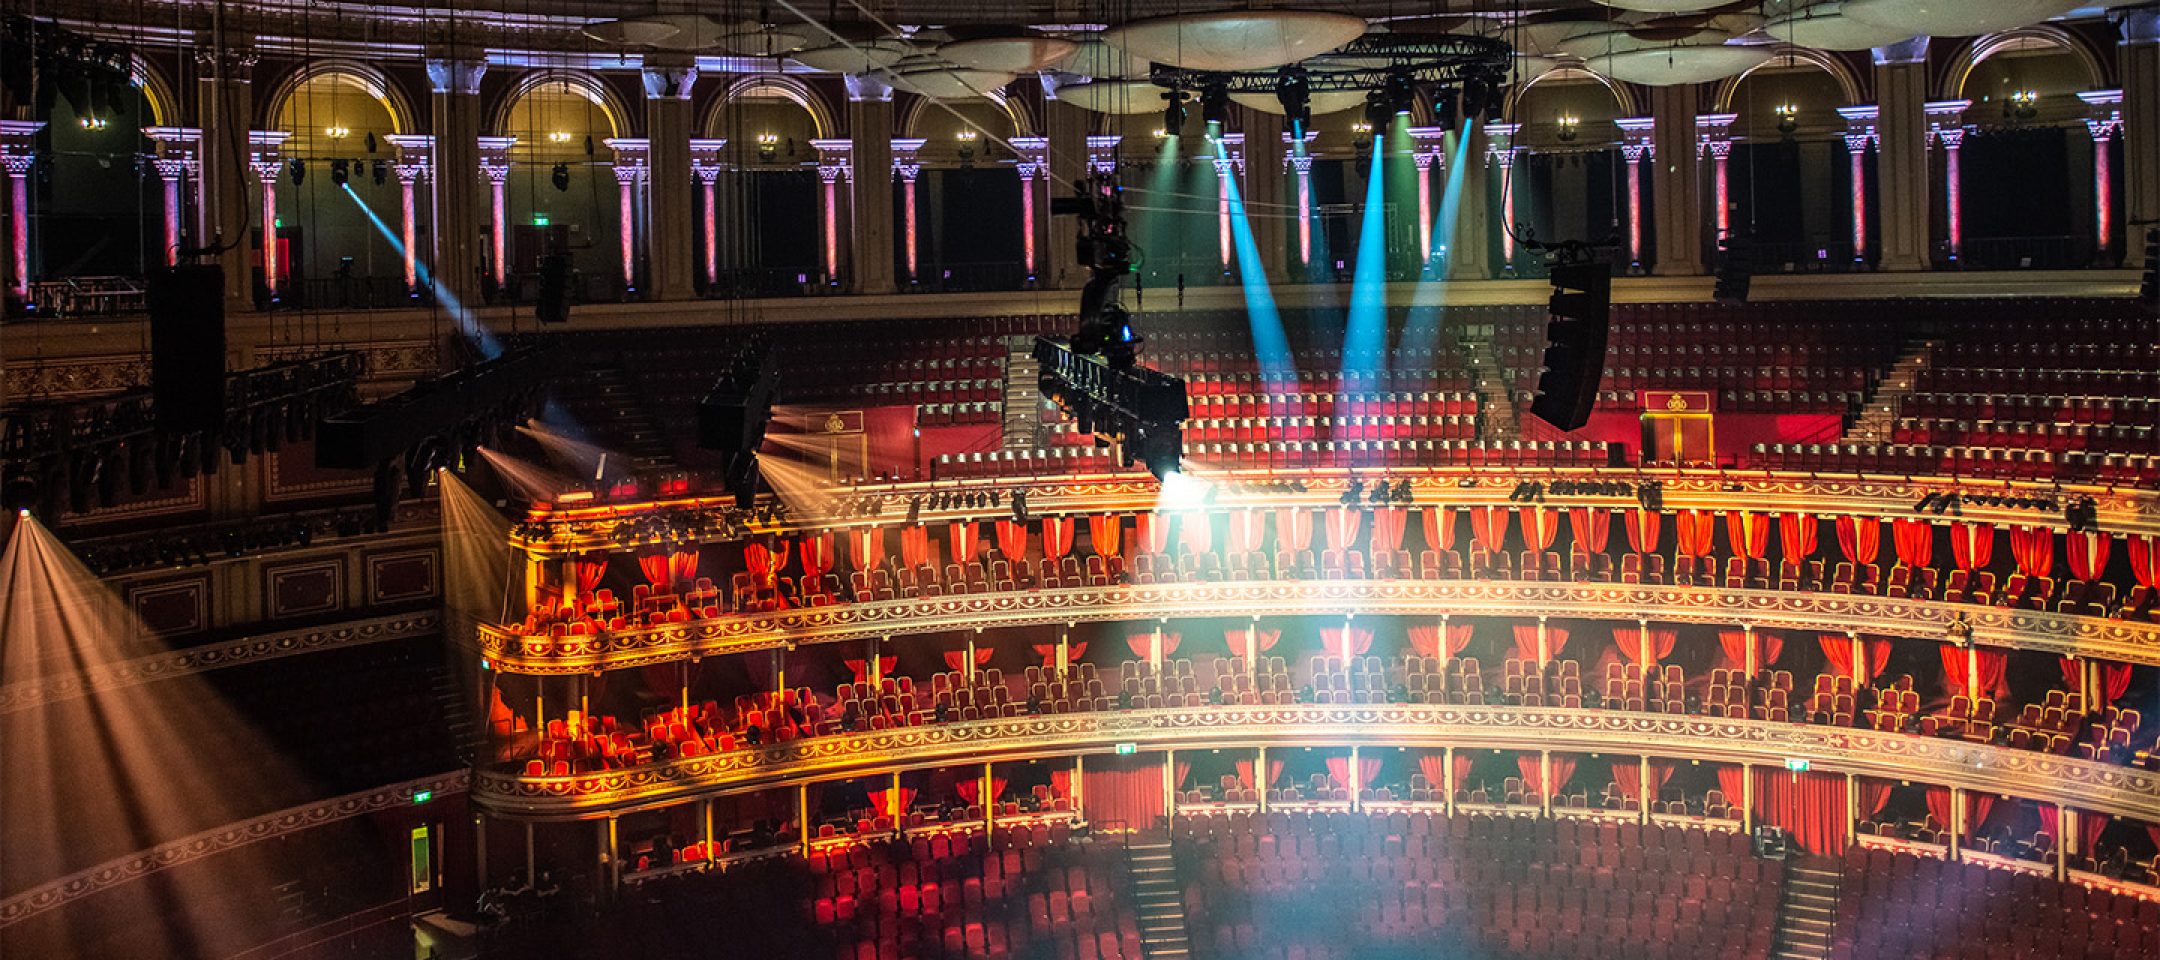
{"points": [[1540, 526], [1057, 537], [1749, 534], [1293, 529], [1439, 528], [1915, 541], [2034, 550], [1234, 638], [1796, 534], [1425, 639], [1697, 532], [1642, 530], [1107, 533], [1590, 527], [1860, 538], [866, 547], [1489, 527]]}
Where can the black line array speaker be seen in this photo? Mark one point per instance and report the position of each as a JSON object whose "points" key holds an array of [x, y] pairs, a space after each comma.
{"points": [[187, 346], [1575, 344]]}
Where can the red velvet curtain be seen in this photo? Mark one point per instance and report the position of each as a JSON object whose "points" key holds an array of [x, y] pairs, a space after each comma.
{"points": [[1645, 647], [1697, 532], [1151, 532], [915, 546], [1489, 526], [861, 668], [1425, 639], [1196, 533], [1873, 796], [1992, 664], [957, 659], [1642, 530], [1139, 643], [1748, 533], [1463, 763], [1628, 775], [1972, 545], [1248, 529], [1915, 540], [1860, 538], [2088, 553], [1796, 534], [1342, 527], [1057, 537], [588, 571], [655, 565], [1234, 637], [1012, 539], [1434, 767], [1768, 646], [1048, 652], [964, 541], [1938, 805], [1244, 774], [1387, 530], [2034, 550], [1540, 526], [1563, 769], [866, 547], [1061, 782], [1439, 528], [892, 803], [1732, 779], [1332, 641], [1838, 648], [1368, 771], [1293, 529], [1107, 533], [1590, 527], [817, 554], [1810, 806], [1526, 641], [2145, 559]]}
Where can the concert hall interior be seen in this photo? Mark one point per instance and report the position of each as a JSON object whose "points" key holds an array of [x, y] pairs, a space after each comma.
{"points": [[1080, 480]]}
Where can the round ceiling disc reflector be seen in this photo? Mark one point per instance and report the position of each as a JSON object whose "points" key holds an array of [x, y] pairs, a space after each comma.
{"points": [[1232, 41], [1825, 26], [951, 83], [1116, 96], [865, 57], [1008, 54], [1666, 66], [1320, 104], [1955, 18]]}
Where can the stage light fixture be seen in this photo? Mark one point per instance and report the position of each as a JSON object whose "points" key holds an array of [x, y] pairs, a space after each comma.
{"points": [[560, 177], [1293, 89], [298, 169], [1379, 111], [1477, 98], [340, 172], [1215, 107], [381, 171], [1401, 90], [1445, 102], [1173, 114]]}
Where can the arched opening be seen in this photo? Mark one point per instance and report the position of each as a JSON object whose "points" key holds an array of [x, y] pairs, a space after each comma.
{"points": [[98, 210], [561, 194], [1788, 187], [2027, 192], [1571, 178], [773, 224], [964, 227], [337, 194]]}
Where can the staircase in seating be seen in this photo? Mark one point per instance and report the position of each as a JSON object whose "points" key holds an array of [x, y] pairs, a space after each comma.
{"points": [[1807, 910], [1023, 394], [1878, 414], [630, 424], [1159, 901], [1496, 396]]}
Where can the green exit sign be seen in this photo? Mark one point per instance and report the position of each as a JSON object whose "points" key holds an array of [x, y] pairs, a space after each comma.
{"points": [[1127, 749], [1796, 765], [540, 219], [422, 796]]}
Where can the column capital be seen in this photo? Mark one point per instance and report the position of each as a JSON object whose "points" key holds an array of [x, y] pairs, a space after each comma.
{"points": [[173, 169], [628, 174], [1102, 152], [17, 164], [413, 147], [226, 64], [867, 88], [705, 159], [2138, 26], [904, 162], [1910, 50], [1859, 125], [179, 143], [835, 159], [1500, 143], [19, 137], [629, 151], [2106, 119], [455, 75], [1301, 164], [265, 145], [1946, 115], [668, 81], [1713, 133]]}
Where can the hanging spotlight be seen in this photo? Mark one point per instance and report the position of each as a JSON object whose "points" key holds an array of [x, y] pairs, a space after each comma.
{"points": [[1445, 100], [340, 172], [1173, 115], [381, 171], [1379, 110], [370, 141], [298, 167], [1401, 90], [1476, 96], [560, 177], [1293, 89], [1215, 107], [588, 145]]}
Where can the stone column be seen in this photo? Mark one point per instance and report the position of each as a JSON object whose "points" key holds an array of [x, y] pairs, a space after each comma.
{"points": [[1500, 149], [870, 127], [415, 158], [1469, 259], [1066, 151], [1228, 166], [18, 145], [226, 107], [179, 163], [706, 164], [1266, 207], [1636, 136], [1901, 162], [455, 85], [1859, 133], [2138, 70], [1946, 127], [908, 168], [1677, 204], [495, 167], [1034, 168], [834, 166], [266, 162], [667, 220], [626, 210], [2104, 124]]}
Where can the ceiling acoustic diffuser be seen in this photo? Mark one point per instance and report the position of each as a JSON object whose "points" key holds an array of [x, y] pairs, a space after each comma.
{"points": [[1236, 40], [1956, 18], [1681, 63]]}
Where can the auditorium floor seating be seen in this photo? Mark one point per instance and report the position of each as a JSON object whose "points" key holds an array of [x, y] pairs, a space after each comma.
{"points": [[1904, 907]]}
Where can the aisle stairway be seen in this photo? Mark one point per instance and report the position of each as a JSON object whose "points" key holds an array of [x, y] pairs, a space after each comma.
{"points": [[1808, 909], [627, 422], [1158, 899], [1496, 396], [1878, 413], [1023, 394]]}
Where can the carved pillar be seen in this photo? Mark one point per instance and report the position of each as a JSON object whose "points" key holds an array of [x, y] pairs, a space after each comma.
{"points": [[667, 184], [630, 173], [266, 162], [178, 163], [17, 157], [1946, 127], [1067, 151], [1034, 170], [1500, 152], [2139, 73], [1859, 133], [1636, 134], [1229, 163], [495, 166], [834, 165], [1303, 165], [1715, 142], [1901, 165], [1677, 195], [870, 125], [455, 84], [705, 163], [908, 168], [415, 159], [226, 108], [2104, 123]]}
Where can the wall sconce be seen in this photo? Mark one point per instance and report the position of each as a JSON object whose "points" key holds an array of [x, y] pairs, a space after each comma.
{"points": [[1788, 117], [1161, 133], [93, 123], [1570, 126], [2022, 105], [1361, 128], [768, 145], [966, 139], [558, 136], [337, 131]]}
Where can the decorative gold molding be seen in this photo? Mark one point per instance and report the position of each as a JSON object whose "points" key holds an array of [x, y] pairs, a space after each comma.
{"points": [[2085, 785], [125, 673], [112, 873], [2116, 640]]}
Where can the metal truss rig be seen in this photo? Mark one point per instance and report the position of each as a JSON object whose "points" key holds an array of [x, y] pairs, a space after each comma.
{"points": [[1365, 64]]}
